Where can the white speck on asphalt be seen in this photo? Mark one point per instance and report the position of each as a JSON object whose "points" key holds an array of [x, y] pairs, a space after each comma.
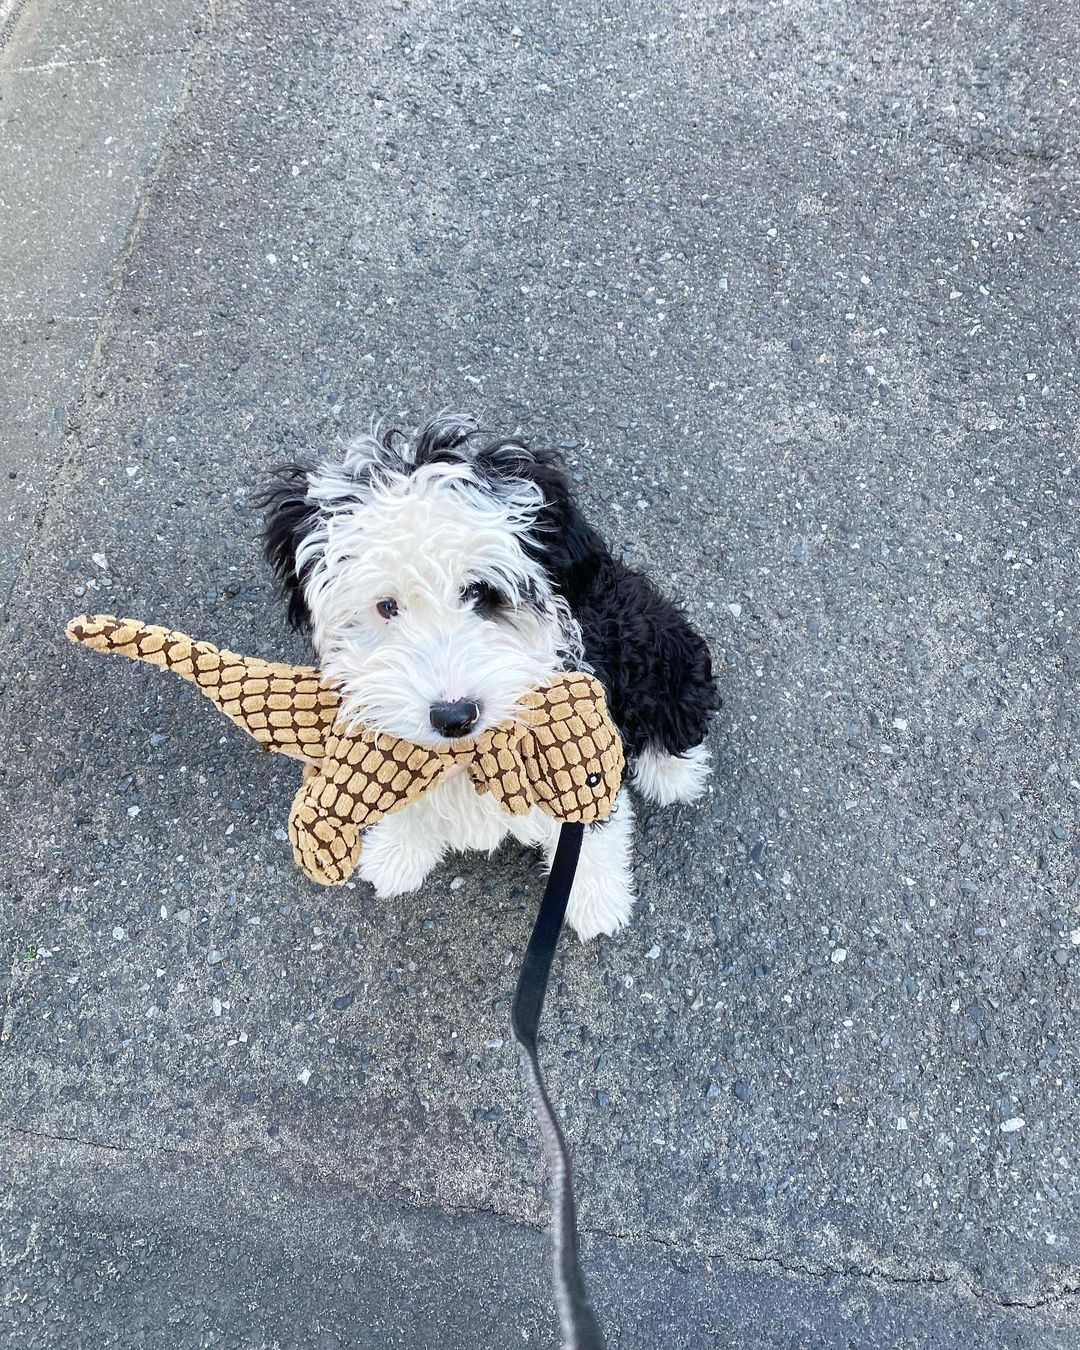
{"points": [[304, 1076], [652, 953], [839, 954], [1011, 1125], [100, 560], [457, 883], [735, 609], [119, 934]]}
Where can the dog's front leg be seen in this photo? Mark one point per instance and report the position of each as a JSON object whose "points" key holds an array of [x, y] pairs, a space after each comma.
{"points": [[602, 898], [401, 849]]}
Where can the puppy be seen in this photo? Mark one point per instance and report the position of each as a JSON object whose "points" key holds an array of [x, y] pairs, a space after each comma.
{"points": [[440, 576]]}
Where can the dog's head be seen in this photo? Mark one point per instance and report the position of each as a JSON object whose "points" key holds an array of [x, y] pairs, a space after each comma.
{"points": [[437, 573]]}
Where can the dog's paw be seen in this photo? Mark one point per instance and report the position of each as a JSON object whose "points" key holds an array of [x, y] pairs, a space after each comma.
{"points": [[601, 902], [665, 779], [392, 866]]}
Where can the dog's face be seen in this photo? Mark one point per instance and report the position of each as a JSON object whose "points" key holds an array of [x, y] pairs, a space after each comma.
{"points": [[428, 572]]}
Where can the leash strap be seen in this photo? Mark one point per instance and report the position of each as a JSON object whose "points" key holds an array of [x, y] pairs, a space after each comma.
{"points": [[580, 1330]]}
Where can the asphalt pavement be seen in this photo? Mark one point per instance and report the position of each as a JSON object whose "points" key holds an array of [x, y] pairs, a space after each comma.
{"points": [[795, 288]]}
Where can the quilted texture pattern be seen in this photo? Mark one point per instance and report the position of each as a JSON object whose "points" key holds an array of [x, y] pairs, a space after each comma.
{"points": [[286, 708], [561, 752]]}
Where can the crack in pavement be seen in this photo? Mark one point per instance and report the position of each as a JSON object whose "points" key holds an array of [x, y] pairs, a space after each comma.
{"points": [[1060, 1298], [1069, 1284], [85, 1143]]}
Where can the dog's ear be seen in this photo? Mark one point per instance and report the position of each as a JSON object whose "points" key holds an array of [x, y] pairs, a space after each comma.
{"points": [[444, 439], [571, 551], [290, 516], [561, 540]]}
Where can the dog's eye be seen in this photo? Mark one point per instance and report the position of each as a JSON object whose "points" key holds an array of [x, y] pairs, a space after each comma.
{"points": [[484, 597], [387, 609]]}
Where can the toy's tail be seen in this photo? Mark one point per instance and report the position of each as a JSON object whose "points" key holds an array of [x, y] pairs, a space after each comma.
{"points": [[286, 708]]}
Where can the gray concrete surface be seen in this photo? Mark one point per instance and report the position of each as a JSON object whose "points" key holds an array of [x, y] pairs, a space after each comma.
{"points": [[86, 92], [795, 286], [52, 34], [43, 361]]}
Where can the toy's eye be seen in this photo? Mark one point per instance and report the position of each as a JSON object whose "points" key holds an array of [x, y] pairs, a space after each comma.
{"points": [[387, 609], [593, 780]]}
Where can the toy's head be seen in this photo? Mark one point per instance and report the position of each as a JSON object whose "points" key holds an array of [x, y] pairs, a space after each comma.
{"points": [[435, 575]]}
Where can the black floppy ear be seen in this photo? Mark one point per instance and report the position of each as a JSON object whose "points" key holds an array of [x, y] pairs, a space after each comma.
{"points": [[291, 515], [566, 544], [444, 439]]}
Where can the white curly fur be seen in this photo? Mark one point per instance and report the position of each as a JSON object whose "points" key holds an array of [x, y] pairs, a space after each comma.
{"points": [[389, 548]]}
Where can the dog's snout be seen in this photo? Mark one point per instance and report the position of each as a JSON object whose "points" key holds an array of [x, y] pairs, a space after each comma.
{"points": [[455, 719]]}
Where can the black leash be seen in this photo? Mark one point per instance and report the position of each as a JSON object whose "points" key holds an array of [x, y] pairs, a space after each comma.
{"points": [[580, 1329]]}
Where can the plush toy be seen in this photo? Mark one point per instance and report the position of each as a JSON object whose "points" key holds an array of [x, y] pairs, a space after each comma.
{"points": [[560, 752]]}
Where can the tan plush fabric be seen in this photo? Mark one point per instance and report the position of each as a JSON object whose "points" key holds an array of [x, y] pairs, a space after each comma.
{"points": [[561, 752]]}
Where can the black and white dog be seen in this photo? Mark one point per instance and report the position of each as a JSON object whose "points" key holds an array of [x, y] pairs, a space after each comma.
{"points": [[442, 575]]}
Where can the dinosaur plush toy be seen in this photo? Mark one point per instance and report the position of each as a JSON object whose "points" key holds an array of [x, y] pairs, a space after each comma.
{"points": [[560, 752]]}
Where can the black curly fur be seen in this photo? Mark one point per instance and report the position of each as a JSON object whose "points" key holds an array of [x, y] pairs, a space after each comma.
{"points": [[655, 668], [290, 515]]}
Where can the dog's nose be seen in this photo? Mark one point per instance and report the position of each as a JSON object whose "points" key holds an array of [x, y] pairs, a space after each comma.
{"points": [[455, 719]]}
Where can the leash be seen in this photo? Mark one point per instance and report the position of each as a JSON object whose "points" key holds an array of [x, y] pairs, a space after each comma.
{"points": [[580, 1329]]}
